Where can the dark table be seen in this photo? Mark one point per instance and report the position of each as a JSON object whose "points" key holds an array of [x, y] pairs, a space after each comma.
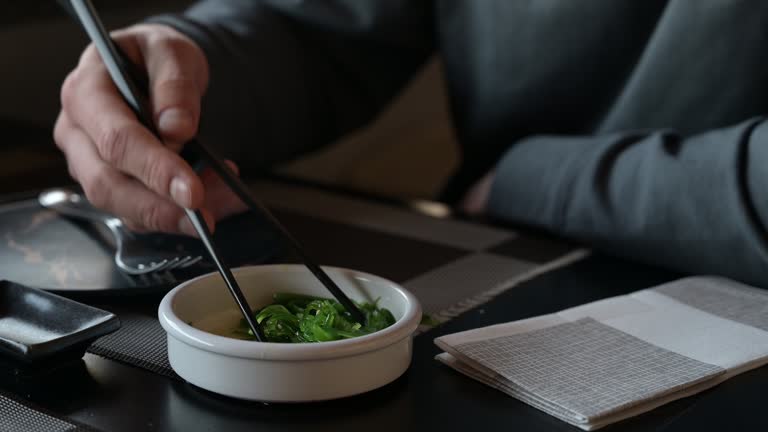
{"points": [[115, 397]]}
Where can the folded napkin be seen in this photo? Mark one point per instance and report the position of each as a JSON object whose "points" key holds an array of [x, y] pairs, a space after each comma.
{"points": [[612, 359]]}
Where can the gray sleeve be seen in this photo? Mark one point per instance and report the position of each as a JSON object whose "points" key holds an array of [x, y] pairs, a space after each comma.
{"points": [[695, 204], [289, 76]]}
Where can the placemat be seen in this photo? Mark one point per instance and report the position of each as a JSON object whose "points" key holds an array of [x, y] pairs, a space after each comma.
{"points": [[19, 415], [140, 341], [448, 277]]}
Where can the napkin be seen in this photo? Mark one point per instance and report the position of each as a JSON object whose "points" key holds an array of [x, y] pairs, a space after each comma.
{"points": [[598, 363]]}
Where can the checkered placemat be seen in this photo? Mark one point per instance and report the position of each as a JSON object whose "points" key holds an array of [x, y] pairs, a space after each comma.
{"points": [[450, 266]]}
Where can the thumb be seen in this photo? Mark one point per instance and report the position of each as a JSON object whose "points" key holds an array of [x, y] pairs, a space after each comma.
{"points": [[178, 74]]}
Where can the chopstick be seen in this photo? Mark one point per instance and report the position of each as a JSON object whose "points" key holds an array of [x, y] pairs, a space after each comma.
{"points": [[127, 79], [117, 65], [133, 85], [205, 235]]}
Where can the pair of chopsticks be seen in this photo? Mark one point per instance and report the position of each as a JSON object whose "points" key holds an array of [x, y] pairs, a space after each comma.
{"points": [[134, 88]]}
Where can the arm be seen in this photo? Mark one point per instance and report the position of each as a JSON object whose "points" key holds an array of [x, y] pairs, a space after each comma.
{"points": [[285, 78], [694, 204], [288, 77]]}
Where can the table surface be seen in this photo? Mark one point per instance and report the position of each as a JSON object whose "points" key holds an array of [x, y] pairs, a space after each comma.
{"points": [[115, 397]]}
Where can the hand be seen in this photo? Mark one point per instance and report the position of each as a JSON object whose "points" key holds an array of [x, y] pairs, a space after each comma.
{"points": [[475, 201], [122, 167]]}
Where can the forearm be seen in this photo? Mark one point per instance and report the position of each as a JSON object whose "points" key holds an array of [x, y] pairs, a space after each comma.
{"points": [[694, 204], [285, 80]]}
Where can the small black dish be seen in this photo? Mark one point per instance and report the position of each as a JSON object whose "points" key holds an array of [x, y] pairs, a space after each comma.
{"points": [[38, 327]]}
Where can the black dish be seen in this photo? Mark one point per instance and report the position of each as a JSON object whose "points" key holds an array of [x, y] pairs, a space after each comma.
{"points": [[42, 249], [38, 326]]}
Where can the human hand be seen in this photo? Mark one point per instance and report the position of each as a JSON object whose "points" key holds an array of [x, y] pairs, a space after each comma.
{"points": [[475, 201], [122, 167]]}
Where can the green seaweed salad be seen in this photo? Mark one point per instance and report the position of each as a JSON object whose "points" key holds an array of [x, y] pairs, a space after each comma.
{"points": [[295, 318]]}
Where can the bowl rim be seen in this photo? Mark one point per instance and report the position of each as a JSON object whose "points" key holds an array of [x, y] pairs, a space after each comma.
{"points": [[185, 333]]}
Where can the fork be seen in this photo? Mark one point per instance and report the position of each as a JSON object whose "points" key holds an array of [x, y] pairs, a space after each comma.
{"points": [[131, 256]]}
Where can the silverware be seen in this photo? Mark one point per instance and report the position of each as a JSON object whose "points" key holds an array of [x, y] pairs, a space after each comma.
{"points": [[131, 255]]}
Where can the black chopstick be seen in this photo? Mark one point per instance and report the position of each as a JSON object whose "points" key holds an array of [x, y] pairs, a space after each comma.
{"points": [[127, 80], [117, 65], [241, 190], [205, 235]]}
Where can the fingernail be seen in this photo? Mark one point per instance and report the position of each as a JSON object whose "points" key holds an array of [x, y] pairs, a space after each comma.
{"points": [[180, 192], [174, 120], [185, 226]]}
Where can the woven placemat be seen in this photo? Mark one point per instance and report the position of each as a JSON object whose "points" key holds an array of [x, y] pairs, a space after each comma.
{"points": [[18, 415], [140, 341], [451, 266]]}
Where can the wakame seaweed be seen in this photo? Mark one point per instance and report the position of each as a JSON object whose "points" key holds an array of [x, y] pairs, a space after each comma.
{"points": [[295, 318]]}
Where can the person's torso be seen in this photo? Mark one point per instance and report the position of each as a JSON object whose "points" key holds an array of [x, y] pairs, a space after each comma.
{"points": [[521, 67]]}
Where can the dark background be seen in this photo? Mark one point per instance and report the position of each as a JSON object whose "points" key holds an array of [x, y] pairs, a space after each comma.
{"points": [[39, 45]]}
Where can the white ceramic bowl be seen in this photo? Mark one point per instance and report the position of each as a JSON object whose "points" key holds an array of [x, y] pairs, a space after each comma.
{"points": [[284, 372]]}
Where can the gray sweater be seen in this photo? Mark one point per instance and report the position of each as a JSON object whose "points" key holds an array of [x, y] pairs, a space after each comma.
{"points": [[634, 126]]}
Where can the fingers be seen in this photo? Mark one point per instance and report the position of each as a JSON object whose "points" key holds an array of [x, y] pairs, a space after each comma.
{"points": [[178, 77], [140, 208], [186, 227], [220, 200], [122, 166], [93, 104], [475, 201], [111, 190]]}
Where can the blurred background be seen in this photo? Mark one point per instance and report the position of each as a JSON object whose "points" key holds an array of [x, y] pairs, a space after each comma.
{"points": [[407, 153]]}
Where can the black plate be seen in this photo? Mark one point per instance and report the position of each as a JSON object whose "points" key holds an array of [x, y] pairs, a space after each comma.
{"points": [[42, 249], [36, 325]]}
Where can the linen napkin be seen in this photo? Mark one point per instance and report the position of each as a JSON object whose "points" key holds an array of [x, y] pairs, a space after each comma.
{"points": [[596, 364]]}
